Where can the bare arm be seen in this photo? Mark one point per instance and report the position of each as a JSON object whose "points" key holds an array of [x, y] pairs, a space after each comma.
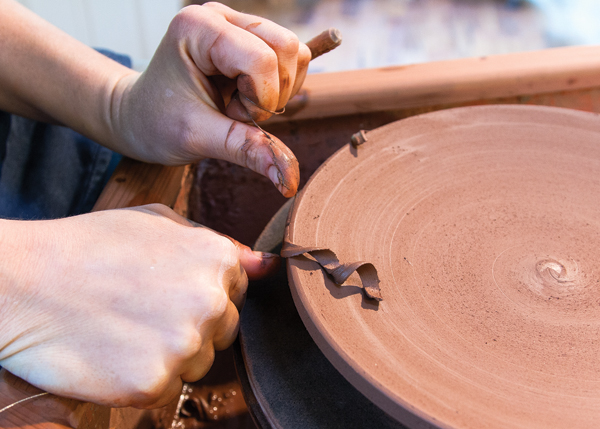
{"points": [[45, 74]]}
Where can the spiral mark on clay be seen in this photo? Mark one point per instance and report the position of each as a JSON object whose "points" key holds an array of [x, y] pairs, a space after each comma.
{"points": [[555, 278]]}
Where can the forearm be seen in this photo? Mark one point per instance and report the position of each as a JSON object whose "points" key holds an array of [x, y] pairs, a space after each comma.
{"points": [[45, 74]]}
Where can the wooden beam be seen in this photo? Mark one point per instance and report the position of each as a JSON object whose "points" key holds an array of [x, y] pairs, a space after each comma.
{"points": [[445, 82], [135, 183]]}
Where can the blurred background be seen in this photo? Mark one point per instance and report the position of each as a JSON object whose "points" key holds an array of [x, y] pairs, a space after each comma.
{"points": [[376, 32]]}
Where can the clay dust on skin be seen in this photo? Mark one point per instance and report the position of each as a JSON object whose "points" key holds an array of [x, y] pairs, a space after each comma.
{"points": [[275, 175]]}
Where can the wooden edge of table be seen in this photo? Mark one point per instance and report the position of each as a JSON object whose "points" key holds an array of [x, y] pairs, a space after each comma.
{"points": [[446, 83], [136, 183]]}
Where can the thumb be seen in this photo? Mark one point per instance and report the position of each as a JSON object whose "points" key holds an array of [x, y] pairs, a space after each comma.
{"points": [[257, 264], [250, 147]]}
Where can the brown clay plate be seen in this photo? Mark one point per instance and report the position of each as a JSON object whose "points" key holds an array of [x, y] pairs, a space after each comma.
{"points": [[484, 225]]}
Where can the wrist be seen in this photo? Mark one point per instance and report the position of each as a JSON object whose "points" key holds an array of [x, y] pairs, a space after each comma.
{"points": [[118, 121], [21, 274]]}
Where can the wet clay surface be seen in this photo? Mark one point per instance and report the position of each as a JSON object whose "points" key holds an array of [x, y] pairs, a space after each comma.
{"points": [[483, 225]]}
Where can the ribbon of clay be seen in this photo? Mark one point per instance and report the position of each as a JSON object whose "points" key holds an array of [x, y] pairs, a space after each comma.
{"points": [[338, 271]]}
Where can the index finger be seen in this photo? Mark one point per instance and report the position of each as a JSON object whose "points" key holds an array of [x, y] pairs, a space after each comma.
{"points": [[216, 46], [282, 41]]}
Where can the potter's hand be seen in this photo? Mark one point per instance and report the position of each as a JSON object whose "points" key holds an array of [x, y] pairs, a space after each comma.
{"points": [[118, 307], [175, 111]]}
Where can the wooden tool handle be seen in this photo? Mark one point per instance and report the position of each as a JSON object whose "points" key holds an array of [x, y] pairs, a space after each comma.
{"points": [[327, 41]]}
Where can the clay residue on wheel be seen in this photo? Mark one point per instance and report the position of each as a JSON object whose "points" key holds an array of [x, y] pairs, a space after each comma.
{"points": [[340, 272]]}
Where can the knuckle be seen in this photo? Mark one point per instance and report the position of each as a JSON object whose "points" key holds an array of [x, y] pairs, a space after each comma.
{"points": [[217, 248], [191, 18], [228, 247], [288, 42], [208, 358], [201, 366], [263, 60], [217, 6], [214, 4], [229, 332], [148, 386], [218, 299], [188, 344], [304, 55], [219, 245], [184, 18], [239, 285]]}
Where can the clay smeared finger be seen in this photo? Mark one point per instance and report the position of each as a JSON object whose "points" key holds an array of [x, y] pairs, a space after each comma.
{"points": [[220, 47], [242, 109], [282, 41], [256, 265], [304, 56], [248, 146], [259, 264]]}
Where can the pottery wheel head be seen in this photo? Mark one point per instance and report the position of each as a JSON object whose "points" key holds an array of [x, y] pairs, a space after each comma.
{"points": [[484, 225]]}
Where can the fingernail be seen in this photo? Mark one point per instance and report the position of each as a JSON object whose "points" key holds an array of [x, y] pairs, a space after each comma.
{"points": [[264, 255], [274, 175], [269, 262]]}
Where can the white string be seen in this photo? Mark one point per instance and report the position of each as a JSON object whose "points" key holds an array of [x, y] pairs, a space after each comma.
{"points": [[21, 401]]}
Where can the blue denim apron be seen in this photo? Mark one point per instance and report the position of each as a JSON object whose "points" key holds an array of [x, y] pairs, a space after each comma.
{"points": [[49, 171]]}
